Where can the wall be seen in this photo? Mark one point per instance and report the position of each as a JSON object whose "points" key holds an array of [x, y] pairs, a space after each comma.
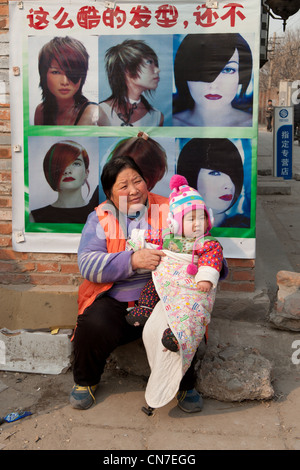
{"points": [[50, 272]]}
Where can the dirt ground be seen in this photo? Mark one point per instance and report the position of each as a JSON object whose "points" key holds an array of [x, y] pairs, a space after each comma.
{"points": [[43, 395], [116, 422], [33, 392]]}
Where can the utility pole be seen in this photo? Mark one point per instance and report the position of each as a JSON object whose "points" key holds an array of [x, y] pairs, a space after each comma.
{"points": [[271, 57]]}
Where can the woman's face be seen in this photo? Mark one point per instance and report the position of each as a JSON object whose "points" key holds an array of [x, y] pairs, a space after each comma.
{"points": [[59, 84], [129, 192], [222, 90], [216, 188], [74, 175], [148, 77]]}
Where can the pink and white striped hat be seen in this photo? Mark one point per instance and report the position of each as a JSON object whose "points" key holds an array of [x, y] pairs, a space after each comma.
{"points": [[183, 199]]}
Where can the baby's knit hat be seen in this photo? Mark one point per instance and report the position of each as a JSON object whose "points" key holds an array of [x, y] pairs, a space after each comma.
{"points": [[182, 200]]}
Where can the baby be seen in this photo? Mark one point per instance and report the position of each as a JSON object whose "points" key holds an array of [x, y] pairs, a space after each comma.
{"points": [[189, 234]]}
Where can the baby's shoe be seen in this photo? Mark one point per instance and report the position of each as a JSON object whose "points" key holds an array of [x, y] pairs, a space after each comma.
{"points": [[169, 340], [138, 315]]}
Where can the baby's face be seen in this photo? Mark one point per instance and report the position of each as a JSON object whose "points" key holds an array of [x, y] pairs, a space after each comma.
{"points": [[194, 223]]}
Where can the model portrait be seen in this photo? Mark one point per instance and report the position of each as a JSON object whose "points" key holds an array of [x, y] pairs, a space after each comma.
{"points": [[135, 89], [213, 80], [63, 65], [215, 168], [66, 168]]}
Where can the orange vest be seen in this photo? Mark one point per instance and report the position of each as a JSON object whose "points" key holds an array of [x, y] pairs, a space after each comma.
{"points": [[157, 216]]}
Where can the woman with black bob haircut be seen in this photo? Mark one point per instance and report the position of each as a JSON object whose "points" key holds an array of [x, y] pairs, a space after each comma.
{"points": [[63, 65], [212, 74], [215, 168]]}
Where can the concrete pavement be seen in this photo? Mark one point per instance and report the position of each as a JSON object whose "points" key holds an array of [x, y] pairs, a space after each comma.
{"points": [[116, 421]]}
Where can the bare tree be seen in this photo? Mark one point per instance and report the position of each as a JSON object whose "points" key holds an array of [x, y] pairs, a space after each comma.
{"points": [[283, 61]]}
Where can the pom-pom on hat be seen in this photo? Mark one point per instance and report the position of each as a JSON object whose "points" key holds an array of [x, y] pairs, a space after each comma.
{"points": [[182, 200]]}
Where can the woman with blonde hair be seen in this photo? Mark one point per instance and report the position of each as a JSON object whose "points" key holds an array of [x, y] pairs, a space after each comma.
{"points": [[132, 71]]}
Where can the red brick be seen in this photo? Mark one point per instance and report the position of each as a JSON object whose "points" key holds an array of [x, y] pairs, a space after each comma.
{"points": [[7, 267], [241, 263], [243, 276], [5, 202], [13, 278], [47, 267], [5, 241], [27, 267], [3, 9], [5, 228], [71, 268], [5, 175], [4, 23], [5, 152], [4, 114], [10, 254]]}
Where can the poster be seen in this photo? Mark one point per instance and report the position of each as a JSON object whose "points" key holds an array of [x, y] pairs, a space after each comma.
{"points": [[196, 68]]}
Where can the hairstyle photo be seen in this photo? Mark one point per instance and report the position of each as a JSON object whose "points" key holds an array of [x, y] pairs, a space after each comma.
{"points": [[120, 54], [220, 156], [202, 58], [74, 56]]}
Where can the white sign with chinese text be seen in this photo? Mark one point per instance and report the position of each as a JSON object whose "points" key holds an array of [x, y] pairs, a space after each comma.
{"points": [[192, 46]]}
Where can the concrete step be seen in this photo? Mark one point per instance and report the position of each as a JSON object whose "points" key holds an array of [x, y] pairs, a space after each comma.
{"points": [[267, 185]]}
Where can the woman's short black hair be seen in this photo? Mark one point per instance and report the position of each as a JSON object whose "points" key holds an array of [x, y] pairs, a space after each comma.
{"points": [[112, 169], [202, 57], [212, 154], [123, 58]]}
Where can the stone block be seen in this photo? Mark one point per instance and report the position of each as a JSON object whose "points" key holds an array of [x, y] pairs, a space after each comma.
{"points": [[132, 358], [234, 374], [36, 352], [286, 312], [26, 307]]}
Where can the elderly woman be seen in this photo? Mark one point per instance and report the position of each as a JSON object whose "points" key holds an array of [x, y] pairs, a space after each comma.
{"points": [[112, 281]]}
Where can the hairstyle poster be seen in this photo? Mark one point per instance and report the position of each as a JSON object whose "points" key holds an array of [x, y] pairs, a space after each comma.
{"points": [[174, 86]]}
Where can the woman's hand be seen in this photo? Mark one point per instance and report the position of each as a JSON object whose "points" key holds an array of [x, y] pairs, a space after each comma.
{"points": [[146, 259]]}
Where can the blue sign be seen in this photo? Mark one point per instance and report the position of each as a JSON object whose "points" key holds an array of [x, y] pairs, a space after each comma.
{"points": [[283, 142], [284, 151]]}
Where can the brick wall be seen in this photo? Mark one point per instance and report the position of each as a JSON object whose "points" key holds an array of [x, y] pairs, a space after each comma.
{"points": [[49, 268]]}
